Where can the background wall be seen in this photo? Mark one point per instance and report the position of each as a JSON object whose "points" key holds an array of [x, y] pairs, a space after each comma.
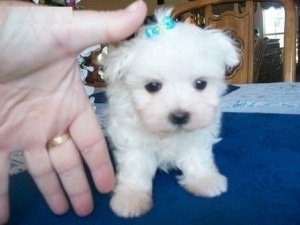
{"points": [[117, 4]]}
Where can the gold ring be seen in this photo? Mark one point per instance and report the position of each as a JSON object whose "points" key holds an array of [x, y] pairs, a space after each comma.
{"points": [[58, 140]]}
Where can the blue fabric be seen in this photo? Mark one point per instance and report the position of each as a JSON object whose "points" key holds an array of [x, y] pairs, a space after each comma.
{"points": [[259, 154]]}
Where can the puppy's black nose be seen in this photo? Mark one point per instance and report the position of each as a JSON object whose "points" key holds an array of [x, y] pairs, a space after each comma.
{"points": [[179, 117]]}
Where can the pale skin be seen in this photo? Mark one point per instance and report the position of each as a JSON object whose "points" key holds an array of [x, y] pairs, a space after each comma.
{"points": [[41, 96]]}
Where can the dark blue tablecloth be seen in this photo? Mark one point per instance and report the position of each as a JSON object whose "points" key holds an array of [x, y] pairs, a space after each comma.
{"points": [[260, 155]]}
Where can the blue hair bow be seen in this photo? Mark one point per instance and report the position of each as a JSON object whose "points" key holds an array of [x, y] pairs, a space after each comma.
{"points": [[166, 24]]}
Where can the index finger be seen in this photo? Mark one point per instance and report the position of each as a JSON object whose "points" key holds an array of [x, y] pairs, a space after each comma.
{"points": [[87, 135]]}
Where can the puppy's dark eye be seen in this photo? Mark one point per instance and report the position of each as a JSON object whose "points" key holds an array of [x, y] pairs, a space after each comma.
{"points": [[200, 84], [153, 87]]}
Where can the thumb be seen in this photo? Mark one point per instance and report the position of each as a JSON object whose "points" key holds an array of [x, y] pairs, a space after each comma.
{"points": [[96, 27]]}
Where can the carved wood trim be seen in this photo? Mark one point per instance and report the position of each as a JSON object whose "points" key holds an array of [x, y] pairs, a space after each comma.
{"points": [[245, 32]]}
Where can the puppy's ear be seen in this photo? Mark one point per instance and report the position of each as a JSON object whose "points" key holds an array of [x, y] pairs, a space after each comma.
{"points": [[229, 49], [116, 63]]}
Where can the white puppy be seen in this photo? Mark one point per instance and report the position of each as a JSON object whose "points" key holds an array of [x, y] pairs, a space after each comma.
{"points": [[164, 89]]}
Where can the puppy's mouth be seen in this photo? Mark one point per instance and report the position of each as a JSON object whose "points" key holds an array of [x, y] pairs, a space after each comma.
{"points": [[174, 129], [177, 122], [171, 129]]}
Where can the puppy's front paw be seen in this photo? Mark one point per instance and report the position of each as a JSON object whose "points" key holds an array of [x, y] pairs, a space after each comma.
{"points": [[130, 203], [208, 185]]}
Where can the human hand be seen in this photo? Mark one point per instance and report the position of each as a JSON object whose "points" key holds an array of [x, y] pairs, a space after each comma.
{"points": [[42, 96]]}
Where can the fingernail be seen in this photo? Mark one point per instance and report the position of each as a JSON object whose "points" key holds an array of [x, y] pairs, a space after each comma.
{"points": [[134, 6]]}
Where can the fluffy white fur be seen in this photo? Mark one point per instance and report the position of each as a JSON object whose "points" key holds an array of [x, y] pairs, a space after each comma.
{"points": [[139, 123]]}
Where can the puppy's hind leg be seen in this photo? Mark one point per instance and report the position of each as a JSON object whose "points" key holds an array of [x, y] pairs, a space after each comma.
{"points": [[132, 196]]}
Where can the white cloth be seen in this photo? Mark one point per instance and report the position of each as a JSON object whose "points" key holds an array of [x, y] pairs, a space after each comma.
{"points": [[281, 98]]}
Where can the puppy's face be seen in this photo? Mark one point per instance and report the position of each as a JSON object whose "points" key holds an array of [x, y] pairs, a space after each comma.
{"points": [[174, 99], [175, 80]]}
